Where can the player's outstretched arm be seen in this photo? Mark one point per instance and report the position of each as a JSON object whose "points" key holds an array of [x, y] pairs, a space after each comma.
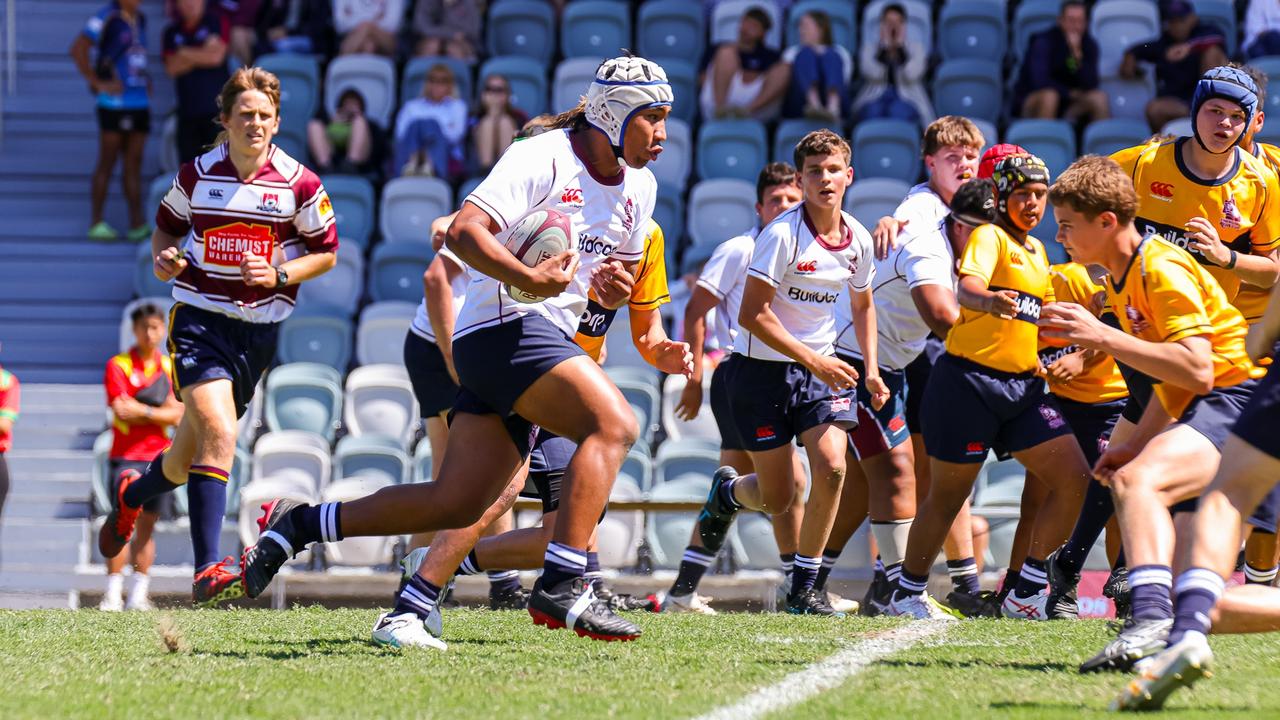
{"points": [[655, 347]]}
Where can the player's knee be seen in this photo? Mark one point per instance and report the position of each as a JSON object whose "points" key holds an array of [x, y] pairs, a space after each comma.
{"points": [[830, 478], [777, 497], [1129, 480], [618, 427]]}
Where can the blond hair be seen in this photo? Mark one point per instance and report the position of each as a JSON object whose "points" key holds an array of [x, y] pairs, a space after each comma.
{"points": [[820, 142], [951, 130], [243, 80], [1093, 185]]}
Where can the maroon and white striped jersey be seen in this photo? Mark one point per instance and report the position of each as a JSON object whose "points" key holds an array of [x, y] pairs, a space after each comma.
{"points": [[281, 213]]}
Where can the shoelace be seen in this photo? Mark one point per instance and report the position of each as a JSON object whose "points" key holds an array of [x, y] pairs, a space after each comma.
{"points": [[218, 568]]}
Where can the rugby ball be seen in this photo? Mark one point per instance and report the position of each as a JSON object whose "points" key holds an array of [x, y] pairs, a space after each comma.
{"points": [[539, 235]]}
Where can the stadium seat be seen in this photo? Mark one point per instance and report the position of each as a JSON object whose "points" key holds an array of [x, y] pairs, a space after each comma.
{"points": [[353, 207], [410, 204], [570, 82], [1031, 17], [315, 339], [238, 478], [668, 532], [415, 74], [999, 484], [673, 165], [645, 401], [618, 534], [1222, 15], [467, 186], [680, 459], [1180, 127], [169, 147], [637, 468], [371, 455], [145, 282], [971, 29], [338, 291], [1270, 66], [156, 191], [99, 483], [668, 212], [990, 135], [300, 397], [670, 28], [621, 351], [358, 551], [595, 28], [379, 401], [720, 209], [292, 457], [250, 423], [260, 492], [843, 21], [373, 75], [293, 141], [1128, 98], [727, 15], [754, 547], [683, 76], [164, 302], [871, 199], [1053, 141], [381, 331], [731, 149], [526, 28], [968, 87], [790, 132], [702, 427], [919, 22], [1103, 137], [395, 271], [299, 85], [886, 149], [528, 81], [422, 462], [1119, 25]]}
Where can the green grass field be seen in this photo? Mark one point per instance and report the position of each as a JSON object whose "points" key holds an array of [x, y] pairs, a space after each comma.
{"points": [[316, 663]]}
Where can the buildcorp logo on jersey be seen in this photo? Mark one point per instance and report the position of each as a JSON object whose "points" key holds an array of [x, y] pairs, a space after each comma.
{"points": [[596, 245]]}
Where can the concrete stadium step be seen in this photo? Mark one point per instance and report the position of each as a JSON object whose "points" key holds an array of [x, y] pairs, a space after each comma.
{"points": [[55, 395], [46, 506], [70, 485], [72, 438], [53, 553], [41, 372], [59, 312], [90, 418], [13, 530], [39, 462], [24, 280]]}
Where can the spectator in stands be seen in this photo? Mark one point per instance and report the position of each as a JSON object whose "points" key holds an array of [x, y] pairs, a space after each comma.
{"points": [[117, 76], [348, 141], [447, 27], [10, 402], [370, 27], [1059, 76], [746, 78], [495, 122], [143, 409], [195, 56], [819, 72], [294, 26], [241, 16], [893, 73], [430, 128], [1185, 50], [1262, 29]]}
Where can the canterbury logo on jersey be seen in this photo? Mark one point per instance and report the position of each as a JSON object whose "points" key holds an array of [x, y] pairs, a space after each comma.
{"points": [[571, 196], [596, 319], [1026, 306], [594, 245], [1162, 191], [812, 296], [808, 266]]}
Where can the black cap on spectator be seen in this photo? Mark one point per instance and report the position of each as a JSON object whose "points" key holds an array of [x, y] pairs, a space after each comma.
{"points": [[1176, 9]]}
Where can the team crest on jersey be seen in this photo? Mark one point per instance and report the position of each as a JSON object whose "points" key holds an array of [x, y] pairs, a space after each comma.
{"points": [[325, 206], [1051, 416], [571, 196], [1015, 259], [628, 215], [226, 245], [1136, 320], [1231, 219], [270, 203]]}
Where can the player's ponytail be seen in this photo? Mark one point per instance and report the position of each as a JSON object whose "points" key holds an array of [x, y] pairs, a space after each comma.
{"points": [[244, 79], [575, 119]]}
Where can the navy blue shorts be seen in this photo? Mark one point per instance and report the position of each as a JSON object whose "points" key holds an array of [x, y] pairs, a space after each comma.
{"points": [[497, 364], [207, 345], [1215, 414], [917, 376], [1092, 424], [432, 384], [721, 408], [547, 463], [1257, 426], [1266, 516], [879, 431], [970, 408], [774, 402]]}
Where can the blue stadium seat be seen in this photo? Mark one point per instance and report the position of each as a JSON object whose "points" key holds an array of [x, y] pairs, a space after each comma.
{"points": [[156, 191], [727, 15], [683, 76], [1031, 17], [528, 81], [595, 28], [871, 199], [570, 81], [381, 331], [673, 165], [380, 402], [968, 87], [670, 28], [1270, 66], [321, 339], [754, 547], [338, 291], [790, 132], [990, 135], [720, 209], [294, 142], [395, 270], [1054, 141], [422, 462], [1119, 25], [1103, 137], [678, 460], [843, 21], [972, 29], [1222, 15], [467, 186], [373, 75], [415, 73], [353, 207], [371, 455], [919, 21], [299, 85], [409, 206], [668, 532], [702, 427], [886, 149], [731, 149], [668, 212], [522, 27], [145, 282], [638, 468], [1128, 98], [645, 401], [300, 396], [1179, 127]]}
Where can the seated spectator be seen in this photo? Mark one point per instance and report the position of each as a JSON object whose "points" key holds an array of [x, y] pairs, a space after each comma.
{"points": [[447, 27], [10, 402], [1262, 29], [294, 26], [893, 73], [1059, 76], [746, 78], [494, 123], [143, 408], [1185, 49], [430, 129], [368, 27], [820, 71], [195, 56], [347, 142]]}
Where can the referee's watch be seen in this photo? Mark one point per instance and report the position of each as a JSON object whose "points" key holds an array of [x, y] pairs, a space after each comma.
{"points": [[282, 277]]}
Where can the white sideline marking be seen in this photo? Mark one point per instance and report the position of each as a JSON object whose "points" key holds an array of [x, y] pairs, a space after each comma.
{"points": [[825, 674]]}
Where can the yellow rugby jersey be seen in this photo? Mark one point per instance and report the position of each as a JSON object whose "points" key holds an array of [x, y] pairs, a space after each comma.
{"points": [[1101, 381], [1003, 264], [1252, 300], [1166, 296], [648, 293], [1244, 208]]}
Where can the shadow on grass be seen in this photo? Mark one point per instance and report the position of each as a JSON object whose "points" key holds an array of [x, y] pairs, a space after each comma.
{"points": [[983, 664], [290, 649]]}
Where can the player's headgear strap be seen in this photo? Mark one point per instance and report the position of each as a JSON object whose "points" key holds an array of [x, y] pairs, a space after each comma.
{"points": [[1012, 172], [623, 87], [1230, 84]]}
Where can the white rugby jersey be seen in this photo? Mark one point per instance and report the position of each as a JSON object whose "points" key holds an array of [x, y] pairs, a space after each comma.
{"points": [[608, 217], [922, 208], [458, 287], [922, 258], [280, 213], [725, 276], [809, 277]]}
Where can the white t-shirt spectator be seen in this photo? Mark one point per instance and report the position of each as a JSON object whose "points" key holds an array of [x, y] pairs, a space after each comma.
{"points": [[725, 276], [348, 14], [1262, 15], [450, 112]]}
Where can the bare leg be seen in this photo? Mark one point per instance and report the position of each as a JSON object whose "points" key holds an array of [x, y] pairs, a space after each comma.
{"points": [[109, 146], [958, 544], [1062, 465], [1034, 493], [1041, 104], [131, 177]]}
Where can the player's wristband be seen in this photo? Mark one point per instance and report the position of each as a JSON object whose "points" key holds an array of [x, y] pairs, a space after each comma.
{"points": [[1232, 262]]}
